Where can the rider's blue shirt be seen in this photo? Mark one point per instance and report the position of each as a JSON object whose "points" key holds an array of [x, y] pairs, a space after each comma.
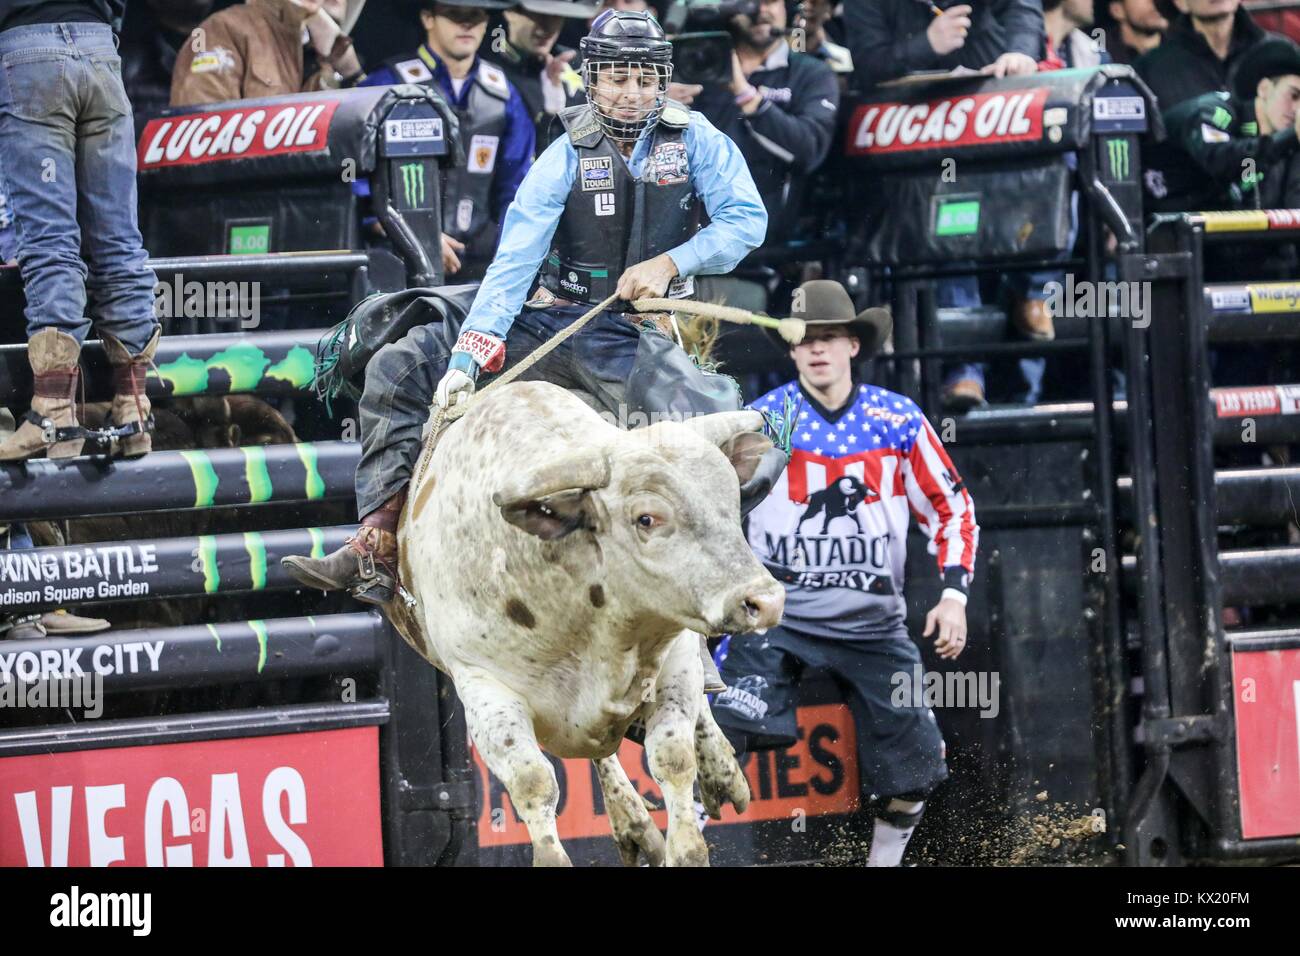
{"points": [[737, 219]]}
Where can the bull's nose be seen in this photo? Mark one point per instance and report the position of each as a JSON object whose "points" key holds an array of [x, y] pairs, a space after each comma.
{"points": [[760, 606]]}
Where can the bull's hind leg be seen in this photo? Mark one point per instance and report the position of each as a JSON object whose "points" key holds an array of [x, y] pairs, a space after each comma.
{"points": [[721, 779], [628, 816], [670, 747], [501, 725]]}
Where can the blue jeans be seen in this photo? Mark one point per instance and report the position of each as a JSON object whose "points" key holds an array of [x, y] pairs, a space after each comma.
{"points": [[67, 166]]}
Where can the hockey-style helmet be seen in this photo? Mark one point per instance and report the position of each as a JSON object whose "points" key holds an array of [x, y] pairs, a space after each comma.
{"points": [[621, 44]]}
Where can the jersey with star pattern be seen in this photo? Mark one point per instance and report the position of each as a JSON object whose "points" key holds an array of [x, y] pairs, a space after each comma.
{"points": [[834, 528]]}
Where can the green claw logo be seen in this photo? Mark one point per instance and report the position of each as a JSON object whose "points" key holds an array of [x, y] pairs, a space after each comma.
{"points": [[413, 184], [1117, 152]]}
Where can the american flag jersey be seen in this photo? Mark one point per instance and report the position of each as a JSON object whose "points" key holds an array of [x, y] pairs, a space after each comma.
{"points": [[834, 528]]}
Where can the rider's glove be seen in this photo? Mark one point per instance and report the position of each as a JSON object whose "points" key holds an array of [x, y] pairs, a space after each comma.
{"points": [[473, 351]]}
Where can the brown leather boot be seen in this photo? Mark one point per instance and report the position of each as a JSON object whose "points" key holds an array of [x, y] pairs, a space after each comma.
{"points": [[712, 679], [1033, 317], [130, 403], [366, 566], [61, 624], [51, 425]]}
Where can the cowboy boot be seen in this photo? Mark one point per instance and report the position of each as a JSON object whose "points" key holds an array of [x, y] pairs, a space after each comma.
{"points": [[51, 425], [130, 403], [365, 566], [62, 624], [712, 679]]}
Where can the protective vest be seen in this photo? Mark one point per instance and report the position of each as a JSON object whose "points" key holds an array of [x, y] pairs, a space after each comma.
{"points": [[611, 220], [467, 190]]}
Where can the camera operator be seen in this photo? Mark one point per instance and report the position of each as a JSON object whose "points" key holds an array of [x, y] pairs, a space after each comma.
{"points": [[779, 108], [890, 38]]}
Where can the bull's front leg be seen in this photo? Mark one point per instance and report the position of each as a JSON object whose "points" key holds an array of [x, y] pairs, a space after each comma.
{"points": [[721, 779], [501, 725], [628, 817], [670, 747]]}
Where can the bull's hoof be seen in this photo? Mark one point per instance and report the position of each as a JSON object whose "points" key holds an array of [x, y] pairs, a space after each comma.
{"points": [[643, 838], [550, 856], [686, 847]]}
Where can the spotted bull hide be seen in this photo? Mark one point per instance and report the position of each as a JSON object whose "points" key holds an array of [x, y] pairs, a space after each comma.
{"points": [[562, 571]]}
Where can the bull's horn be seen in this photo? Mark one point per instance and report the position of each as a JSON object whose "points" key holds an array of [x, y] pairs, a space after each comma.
{"points": [[584, 469], [720, 427]]}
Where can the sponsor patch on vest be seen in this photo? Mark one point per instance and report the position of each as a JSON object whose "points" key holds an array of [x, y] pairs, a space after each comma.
{"points": [[493, 80], [597, 173], [464, 214], [413, 71], [604, 204], [670, 166], [575, 283], [482, 153], [583, 131], [216, 60]]}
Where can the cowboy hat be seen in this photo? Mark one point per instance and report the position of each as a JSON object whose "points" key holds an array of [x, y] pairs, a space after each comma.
{"points": [[821, 302], [1275, 56]]}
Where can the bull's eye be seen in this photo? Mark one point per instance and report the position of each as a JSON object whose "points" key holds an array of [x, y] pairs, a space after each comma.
{"points": [[647, 521]]}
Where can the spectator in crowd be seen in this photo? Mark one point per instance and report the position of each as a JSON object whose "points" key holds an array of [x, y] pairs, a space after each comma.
{"points": [[1199, 51], [1238, 150], [834, 530], [1137, 27], [1068, 46], [812, 19], [543, 72], [67, 168], [780, 109], [152, 35], [890, 38], [268, 48], [494, 125]]}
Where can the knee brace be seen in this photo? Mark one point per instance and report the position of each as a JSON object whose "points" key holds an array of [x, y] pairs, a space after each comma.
{"points": [[903, 810]]}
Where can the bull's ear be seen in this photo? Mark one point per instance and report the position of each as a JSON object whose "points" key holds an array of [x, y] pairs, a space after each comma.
{"points": [[745, 451], [554, 516], [553, 499]]}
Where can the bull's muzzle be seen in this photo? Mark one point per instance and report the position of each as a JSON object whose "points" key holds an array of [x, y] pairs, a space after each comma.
{"points": [[755, 606]]}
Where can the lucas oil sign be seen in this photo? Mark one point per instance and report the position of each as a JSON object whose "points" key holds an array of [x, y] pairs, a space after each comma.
{"points": [[818, 775], [980, 118], [235, 134]]}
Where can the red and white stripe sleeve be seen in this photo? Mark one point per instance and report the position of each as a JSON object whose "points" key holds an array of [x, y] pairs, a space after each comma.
{"points": [[942, 505]]}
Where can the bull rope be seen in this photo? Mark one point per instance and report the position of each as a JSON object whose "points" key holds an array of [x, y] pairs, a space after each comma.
{"points": [[792, 330]]}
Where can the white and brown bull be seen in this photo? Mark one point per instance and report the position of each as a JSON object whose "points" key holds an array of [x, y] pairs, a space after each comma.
{"points": [[561, 571]]}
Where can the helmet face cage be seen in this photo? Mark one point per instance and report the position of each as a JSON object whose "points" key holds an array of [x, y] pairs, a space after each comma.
{"points": [[616, 81]]}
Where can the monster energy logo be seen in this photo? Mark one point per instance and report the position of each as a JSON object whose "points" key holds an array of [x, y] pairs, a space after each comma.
{"points": [[1117, 153], [413, 184]]}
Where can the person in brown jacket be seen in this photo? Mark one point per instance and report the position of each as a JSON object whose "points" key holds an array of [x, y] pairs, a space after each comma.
{"points": [[257, 49]]}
